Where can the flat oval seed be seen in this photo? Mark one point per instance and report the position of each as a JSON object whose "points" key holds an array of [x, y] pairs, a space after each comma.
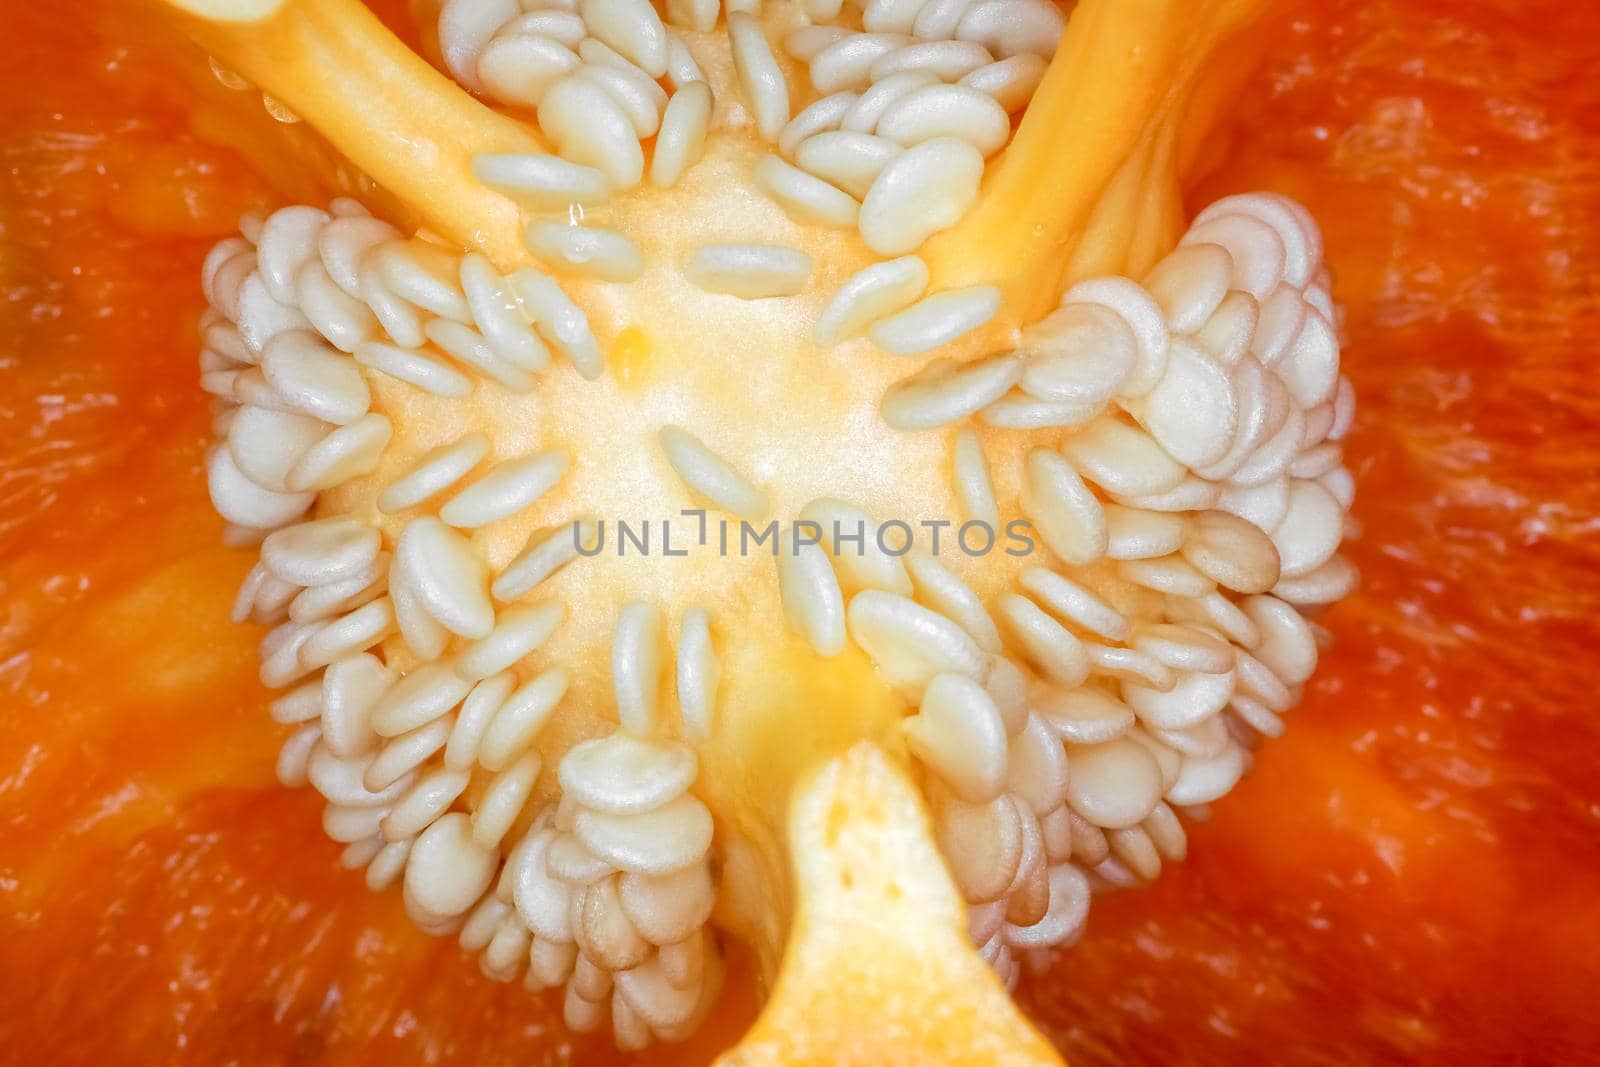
{"points": [[813, 605], [542, 181], [465, 27], [447, 576], [983, 844], [506, 489], [423, 803], [1260, 505], [889, 16], [869, 109], [321, 551], [1080, 354], [1294, 226], [422, 274], [869, 295], [500, 316], [1191, 411], [559, 321], [947, 111], [517, 722], [504, 800], [1255, 248], [959, 735], [945, 391], [682, 140], [817, 117], [541, 901], [477, 711], [437, 470], [517, 632], [414, 366], [632, 27], [1195, 698], [946, 60], [559, 25], [1038, 767], [847, 63], [699, 674], [1135, 533], [1009, 29], [1010, 81], [942, 591], [909, 643], [1189, 284], [708, 475], [466, 345], [1068, 514], [1143, 316], [666, 839], [765, 88], [315, 378], [359, 629], [342, 244], [288, 241], [918, 193], [936, 320], [640, 98], [1083, 716], [637, 660], [1184, 647], [1073, 603], [1287, 645], [1114, 785], [1334, 580], [974, 483], [266, 445], [588, 127], [594, 250], [240, 500], [1231, 552], [867, 566], [1168, 574], [852, 161], [1203, 781], [807, 42], [1190, 494], [419, 698], [604, 933], [668, 908], [805, 197], [749, 271], [546, 551], [1045, 641], [1065, 915], [681, 65], [447, 872], [1228, 332], [622, 775], [341, 781], [1311, 367], [1121, 459]]}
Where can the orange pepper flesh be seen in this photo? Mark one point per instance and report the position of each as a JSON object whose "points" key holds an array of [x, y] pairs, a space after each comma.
{"points": [[1409, 874]]}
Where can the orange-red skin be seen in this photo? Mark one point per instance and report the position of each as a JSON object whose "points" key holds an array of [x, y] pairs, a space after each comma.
{"points": [[1410, 875]]}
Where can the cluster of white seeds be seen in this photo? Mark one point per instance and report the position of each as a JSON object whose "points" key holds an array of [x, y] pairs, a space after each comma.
{"points": [[430, 773], [1195, 497], [1186, 476], [907, 111]]}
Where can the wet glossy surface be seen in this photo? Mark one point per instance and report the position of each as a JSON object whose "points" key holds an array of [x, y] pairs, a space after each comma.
{"points": [[1410, 875]]}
